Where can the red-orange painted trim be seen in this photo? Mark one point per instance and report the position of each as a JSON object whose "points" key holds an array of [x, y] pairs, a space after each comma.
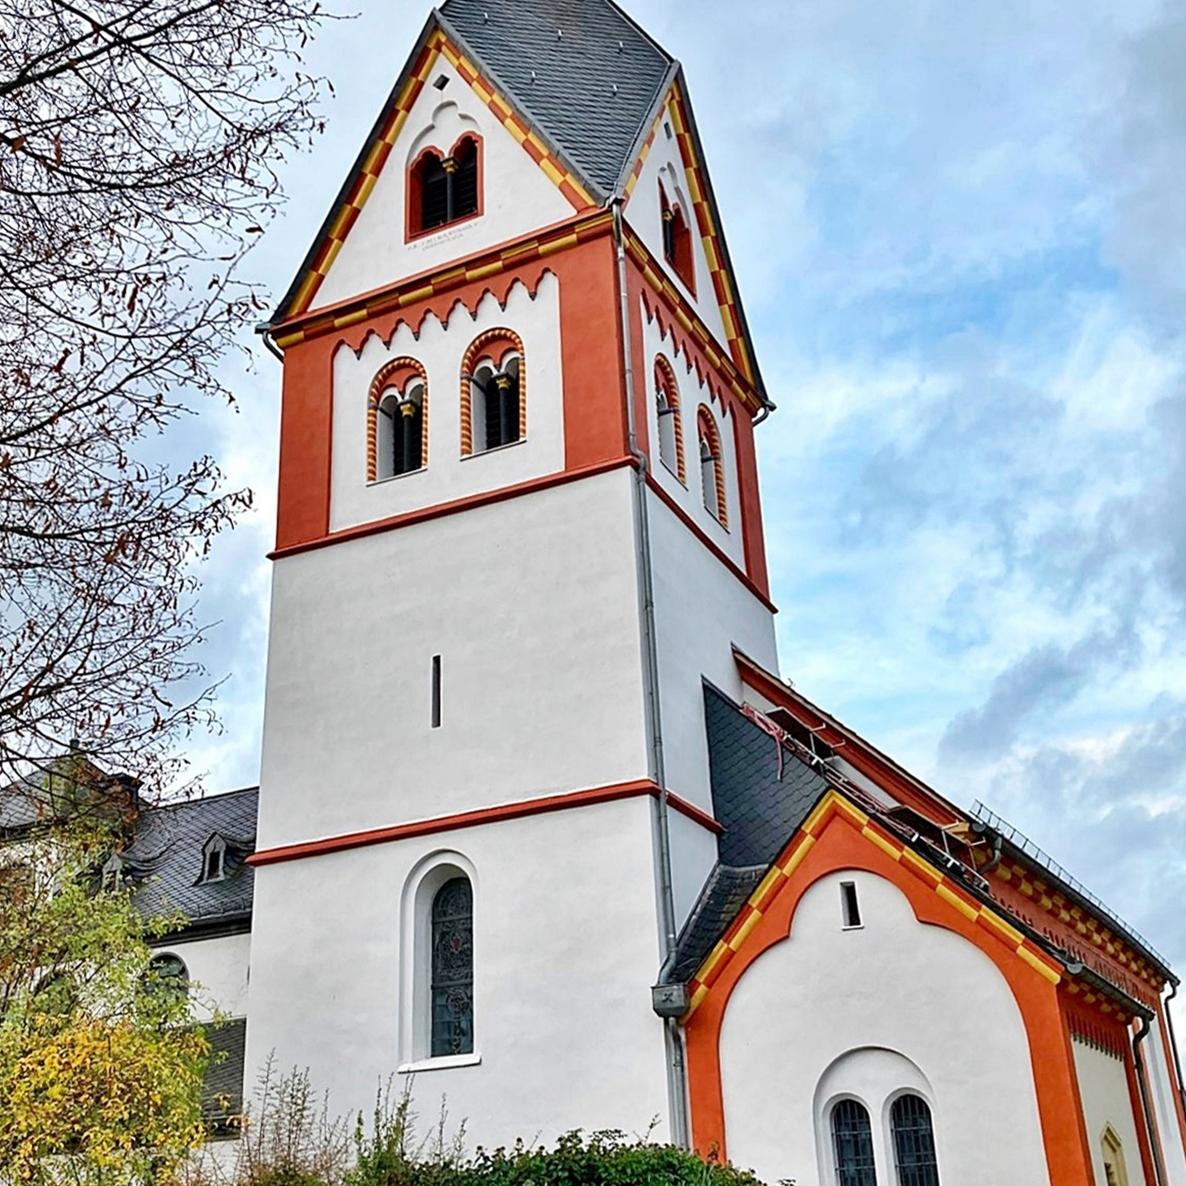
{"points": [[456, 506], [698, 532], [840, 845], [854, 750], [485, 815]]}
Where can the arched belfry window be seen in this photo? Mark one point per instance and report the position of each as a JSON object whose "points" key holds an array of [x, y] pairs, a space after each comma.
{"points": [[677, 240], [452, 972], [852, 1144], [443, 189], [397, 420], [712, 466], [667, 408], [493, 393], [914, 1141]]}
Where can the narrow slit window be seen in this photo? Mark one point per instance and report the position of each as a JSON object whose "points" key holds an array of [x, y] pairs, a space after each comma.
{"points": [[850, 905], [436, 691]]}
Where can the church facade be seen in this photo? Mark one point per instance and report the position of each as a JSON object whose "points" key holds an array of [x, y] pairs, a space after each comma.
{"points": [[540, 826]]}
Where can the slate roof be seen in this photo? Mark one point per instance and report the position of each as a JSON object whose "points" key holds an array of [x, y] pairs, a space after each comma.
{"points": [[582, 71], [165, 858], [760, 803]]}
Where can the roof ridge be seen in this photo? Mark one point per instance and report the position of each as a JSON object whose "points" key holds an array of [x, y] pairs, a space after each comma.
{"points": [[170, 806]]}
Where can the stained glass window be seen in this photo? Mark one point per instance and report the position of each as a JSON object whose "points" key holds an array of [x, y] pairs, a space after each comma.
{"points": [[453, 969], [852, 1140], [914, 1142]]}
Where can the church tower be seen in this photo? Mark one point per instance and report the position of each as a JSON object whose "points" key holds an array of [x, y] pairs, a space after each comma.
{"points": [[518, 531]]}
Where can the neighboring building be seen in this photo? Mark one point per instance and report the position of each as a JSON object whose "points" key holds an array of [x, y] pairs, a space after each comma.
{"points": [[539, 824]]}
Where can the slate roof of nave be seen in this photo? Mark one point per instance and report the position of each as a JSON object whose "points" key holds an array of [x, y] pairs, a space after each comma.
{"points": [[583, 72]]}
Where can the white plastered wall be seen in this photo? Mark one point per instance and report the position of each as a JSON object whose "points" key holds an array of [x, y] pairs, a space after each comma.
{"points": [[219, 971], [532, 603], [1162, 1092], [519, 198], [440, 349], [1103, 1088], [895, 985], [565, 947], [644, 214], [689, 495]]}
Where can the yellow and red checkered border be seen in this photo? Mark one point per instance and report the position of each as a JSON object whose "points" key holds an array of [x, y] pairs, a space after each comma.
{"points": [[375, 157], [835, 808], [685, 316], [675, 109], [484, 266]]}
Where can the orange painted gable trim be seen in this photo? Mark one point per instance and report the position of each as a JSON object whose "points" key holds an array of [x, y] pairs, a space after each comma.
{"points": [[839, 835], [375, 156]]}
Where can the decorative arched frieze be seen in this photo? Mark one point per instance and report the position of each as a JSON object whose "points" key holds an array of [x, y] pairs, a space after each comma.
{"points": [[498, 345]]}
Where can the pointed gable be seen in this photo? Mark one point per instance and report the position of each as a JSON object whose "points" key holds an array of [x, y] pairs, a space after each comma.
{"points": [[584, 74]]}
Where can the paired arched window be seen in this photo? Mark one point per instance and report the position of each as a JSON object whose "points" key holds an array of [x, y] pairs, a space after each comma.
{"points": [[911, 1131], [677, 240], [712, 468], [445, 189], [451, 991], [671, 429], [397, 420], [852, 1144], [914, 1141], [493, 393]]}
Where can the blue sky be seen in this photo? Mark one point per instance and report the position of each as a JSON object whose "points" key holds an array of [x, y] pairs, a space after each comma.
{"points": [[960, 238]]}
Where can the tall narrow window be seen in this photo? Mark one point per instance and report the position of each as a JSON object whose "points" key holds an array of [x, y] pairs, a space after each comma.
{"points": [[712, 470], [434, 193], [436, 691], [852, 1142], [914, 1142], [465, 179], [493, 393], [452, 993], [671, 435], [850, 905], [1115, 1171]]}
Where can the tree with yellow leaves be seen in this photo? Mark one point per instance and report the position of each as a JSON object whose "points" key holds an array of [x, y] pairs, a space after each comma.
{"points": [[100, 1063]]}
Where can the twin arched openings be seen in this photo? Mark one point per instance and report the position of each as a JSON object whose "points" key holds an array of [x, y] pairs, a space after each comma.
{"points": [[445, 189], [493, 408], [677, 240], [708, 437], [913, 1142]]}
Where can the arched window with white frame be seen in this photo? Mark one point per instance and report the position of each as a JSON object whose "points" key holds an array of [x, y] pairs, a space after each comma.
{"points": [[852, 1144], [912, 1128], [397, 421], [438, 1012], [493, 393], [712, 466]]}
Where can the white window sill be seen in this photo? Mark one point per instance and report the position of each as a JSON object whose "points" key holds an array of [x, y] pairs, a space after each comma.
{"points": [[447, 1063], [495, 449], [396, 477]]}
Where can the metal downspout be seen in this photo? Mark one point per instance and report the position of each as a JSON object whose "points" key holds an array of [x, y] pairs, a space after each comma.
{"points": [[673, 1039], [1169, 1022], [1150, 1129]]}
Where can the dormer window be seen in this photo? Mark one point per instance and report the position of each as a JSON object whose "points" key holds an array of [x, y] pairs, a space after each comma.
{"points": [[677, 241], [444, 189], [214, 859]]}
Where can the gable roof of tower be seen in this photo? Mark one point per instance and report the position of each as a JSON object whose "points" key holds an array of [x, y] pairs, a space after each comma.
{"points": [[581, 75]]}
